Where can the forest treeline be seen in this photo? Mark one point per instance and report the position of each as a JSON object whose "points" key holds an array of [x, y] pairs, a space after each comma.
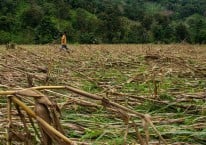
{"points": [[103, 21]]}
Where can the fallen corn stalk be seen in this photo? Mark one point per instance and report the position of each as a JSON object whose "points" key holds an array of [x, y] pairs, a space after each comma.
{"points": [[42, 122], [26, 92]]}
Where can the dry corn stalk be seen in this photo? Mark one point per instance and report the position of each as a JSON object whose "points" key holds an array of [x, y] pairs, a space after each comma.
{"points": [[105, 102], [51, 131], [42, 115]]}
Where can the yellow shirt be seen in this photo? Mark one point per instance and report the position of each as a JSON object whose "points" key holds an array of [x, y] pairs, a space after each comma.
{"points": [[64, 40]]}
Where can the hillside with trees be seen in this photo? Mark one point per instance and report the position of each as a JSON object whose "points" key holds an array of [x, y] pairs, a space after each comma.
{"points": [[103, 21]]}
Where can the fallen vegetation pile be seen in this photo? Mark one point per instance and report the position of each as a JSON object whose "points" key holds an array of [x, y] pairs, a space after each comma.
{"points": [[103, 94]]}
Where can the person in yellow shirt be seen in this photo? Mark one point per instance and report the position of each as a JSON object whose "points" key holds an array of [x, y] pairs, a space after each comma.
{"points": [[64, 41]]}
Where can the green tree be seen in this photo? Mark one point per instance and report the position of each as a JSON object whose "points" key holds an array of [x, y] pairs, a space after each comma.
{"points": [[197, 25], [134, 9], [181, 32], [32, 17], [147, 21], [137, 34], [110, 25], [6, 23], [125, 25], [169, 34], [50, 9], [86, 24], [63, 11], [157, 32], [202, 36], [5, 37], [107, 21], [8, 6], [46, 31]]}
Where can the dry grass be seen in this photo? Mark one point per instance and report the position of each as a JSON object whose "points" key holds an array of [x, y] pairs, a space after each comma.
{"points": [[129, 81]]}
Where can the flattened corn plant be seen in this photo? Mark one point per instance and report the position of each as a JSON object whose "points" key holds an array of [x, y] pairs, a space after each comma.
{"points": [[43, 125]]}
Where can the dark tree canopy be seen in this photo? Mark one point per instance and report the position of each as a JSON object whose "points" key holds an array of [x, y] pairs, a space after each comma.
{"points": [[103, 21]]}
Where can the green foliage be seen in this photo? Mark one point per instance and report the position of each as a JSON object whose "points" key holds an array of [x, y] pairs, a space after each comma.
{"points": [[84, 20], [87, 38], [90, 134], [25, 36], [137, 34], [136, 87], [63, 11], [117, 141], [95, 21], [8, 6], [6, 23], [157, 32], [90, 87], [197, 26], [32, 17], [152, 8], [46, 31], [181, 32], [166, 97], [49, 9], [5, 37]]}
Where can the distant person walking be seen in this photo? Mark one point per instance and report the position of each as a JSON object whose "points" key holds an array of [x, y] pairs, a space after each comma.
{"points": [[64, 42]]}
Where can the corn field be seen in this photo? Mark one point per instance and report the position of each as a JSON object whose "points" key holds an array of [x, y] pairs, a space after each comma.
{"points": [[103, 94]]}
